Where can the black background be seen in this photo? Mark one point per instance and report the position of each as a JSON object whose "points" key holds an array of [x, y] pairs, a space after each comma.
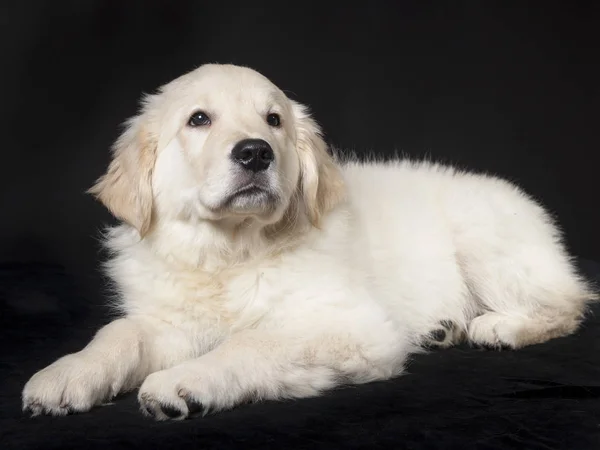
{"points": [[505, 87]]}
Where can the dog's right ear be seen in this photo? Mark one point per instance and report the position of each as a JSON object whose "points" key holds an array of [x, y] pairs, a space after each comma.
{"points": [[126, 187]]}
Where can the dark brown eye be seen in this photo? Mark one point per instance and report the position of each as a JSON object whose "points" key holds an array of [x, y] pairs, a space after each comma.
{"points": [[274, 120], [199, 119]]}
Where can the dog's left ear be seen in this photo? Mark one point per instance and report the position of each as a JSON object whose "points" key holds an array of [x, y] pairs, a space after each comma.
{"points": [[322, 186]]}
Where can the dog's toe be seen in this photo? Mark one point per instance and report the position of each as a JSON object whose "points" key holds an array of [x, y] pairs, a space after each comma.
{"points": [[148, 411], [33, 410], [160, 410], [194, 407]]}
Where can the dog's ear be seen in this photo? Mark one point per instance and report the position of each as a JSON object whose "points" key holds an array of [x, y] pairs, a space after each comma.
{"points": [[126, 187], [321, 182]]}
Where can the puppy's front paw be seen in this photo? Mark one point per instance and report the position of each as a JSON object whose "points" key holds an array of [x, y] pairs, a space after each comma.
{"points": [[72, 384], [171, 394]]}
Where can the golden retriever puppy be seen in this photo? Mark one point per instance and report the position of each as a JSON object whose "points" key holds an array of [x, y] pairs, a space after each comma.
{"points": [[252, 265]]}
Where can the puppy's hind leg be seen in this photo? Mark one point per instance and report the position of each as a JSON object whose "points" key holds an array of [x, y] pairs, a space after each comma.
{"points": [[524, 286], [527, 297]]}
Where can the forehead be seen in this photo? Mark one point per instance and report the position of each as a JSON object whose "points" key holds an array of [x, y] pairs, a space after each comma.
{"points": [[215, 86]]}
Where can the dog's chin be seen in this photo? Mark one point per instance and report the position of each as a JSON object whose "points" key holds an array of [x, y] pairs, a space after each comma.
{"points": [[251, 200]]}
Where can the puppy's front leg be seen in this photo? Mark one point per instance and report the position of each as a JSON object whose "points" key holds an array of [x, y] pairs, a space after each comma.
{"points": [[257, 365], [112, 362]]}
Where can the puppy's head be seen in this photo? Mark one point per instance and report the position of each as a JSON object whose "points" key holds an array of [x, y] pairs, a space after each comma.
{"points": [[221, 143]]}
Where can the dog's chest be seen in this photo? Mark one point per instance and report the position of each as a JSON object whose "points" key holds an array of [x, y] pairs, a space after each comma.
{"points": [[225, 302]]}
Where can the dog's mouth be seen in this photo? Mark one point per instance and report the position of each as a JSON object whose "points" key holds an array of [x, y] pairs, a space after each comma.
{"points": [[251, 197], [249, 191]]}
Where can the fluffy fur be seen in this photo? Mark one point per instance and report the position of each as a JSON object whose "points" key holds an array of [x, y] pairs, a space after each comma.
{"points": [[327, 273]]}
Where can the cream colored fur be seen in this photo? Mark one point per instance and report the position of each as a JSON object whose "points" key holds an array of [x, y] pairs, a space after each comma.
{"points": [[335, 277]]}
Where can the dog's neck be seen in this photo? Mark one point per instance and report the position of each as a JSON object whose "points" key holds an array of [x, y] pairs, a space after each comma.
{"points": [[213, 246]]}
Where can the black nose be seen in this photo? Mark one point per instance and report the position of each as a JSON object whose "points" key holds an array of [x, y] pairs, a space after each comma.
{"points": [[253, 154]]}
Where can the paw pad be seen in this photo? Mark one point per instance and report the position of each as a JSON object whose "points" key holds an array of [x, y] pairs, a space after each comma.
{"points": [[438, 335], [445, 335]]}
